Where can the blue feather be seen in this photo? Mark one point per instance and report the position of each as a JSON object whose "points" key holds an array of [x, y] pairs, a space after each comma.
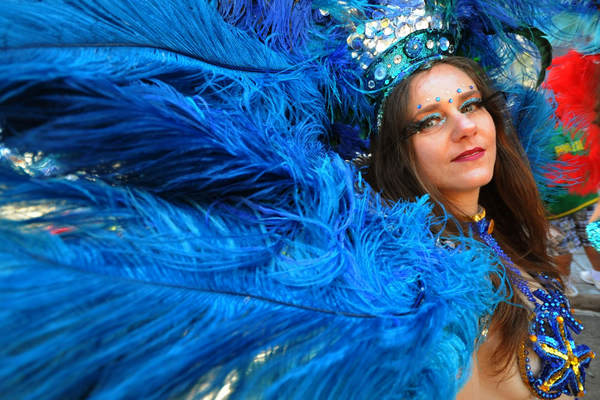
{"points": [[183, 229], [203, 294], [187, 28]]}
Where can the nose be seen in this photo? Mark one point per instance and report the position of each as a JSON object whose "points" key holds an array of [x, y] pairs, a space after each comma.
{"points": [[464, 126]]}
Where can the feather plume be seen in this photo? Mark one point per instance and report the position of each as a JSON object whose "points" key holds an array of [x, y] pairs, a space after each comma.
{"points": [[575, 81], [193, 235], [144, 296]]}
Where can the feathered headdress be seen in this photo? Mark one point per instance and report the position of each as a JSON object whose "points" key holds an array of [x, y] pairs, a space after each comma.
{"points": [[176, 224], [574, 78]]}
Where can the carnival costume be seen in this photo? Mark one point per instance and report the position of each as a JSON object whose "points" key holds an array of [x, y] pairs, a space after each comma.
{"points": [[180, 220]]}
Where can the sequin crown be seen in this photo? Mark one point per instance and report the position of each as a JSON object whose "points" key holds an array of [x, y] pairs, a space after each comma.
{"points": [[399, 37]]}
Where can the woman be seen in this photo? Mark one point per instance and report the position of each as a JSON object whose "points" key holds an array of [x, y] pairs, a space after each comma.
{"points": [[444, 133], [183, 230]]}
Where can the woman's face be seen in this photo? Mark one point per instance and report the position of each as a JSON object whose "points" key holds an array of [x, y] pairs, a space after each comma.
{"points": [[455, 139]]}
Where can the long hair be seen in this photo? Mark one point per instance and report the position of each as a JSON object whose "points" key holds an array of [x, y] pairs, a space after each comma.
{"points": [[511, 197]]}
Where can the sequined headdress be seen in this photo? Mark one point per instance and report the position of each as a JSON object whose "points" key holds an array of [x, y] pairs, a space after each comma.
{"points": [[397, 41], [400, 37], [393, 38]]}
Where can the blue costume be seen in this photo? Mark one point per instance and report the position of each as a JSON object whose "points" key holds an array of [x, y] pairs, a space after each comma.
{"points": [[180, 220]]}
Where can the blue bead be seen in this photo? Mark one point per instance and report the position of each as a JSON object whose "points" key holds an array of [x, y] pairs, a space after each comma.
{"points": [[380, 72], [413, 47], [444, 44]]}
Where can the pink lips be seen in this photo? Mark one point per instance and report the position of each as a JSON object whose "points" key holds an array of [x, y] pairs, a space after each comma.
{"points": [[470, 155]]}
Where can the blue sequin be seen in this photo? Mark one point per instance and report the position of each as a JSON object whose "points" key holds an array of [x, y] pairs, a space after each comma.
{"points": [[380, 72], [444, 44], [413, 47]]}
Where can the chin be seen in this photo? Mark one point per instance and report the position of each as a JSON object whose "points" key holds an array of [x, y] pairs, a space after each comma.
{"points": [[476, 182]]}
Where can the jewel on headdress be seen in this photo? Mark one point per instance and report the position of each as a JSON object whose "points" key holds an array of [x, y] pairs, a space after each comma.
{"points": [[413, 47], [444, 44], [403, 31], [355, 41], [380, 72]]}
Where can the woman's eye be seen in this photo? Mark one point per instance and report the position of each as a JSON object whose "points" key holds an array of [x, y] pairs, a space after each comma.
{"points": [[471, 105], [430, 122]]}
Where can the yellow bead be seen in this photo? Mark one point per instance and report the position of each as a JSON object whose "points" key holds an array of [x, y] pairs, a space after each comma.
{"points": [[533, 338], [574, 360], [491, 227], [560, 319]]}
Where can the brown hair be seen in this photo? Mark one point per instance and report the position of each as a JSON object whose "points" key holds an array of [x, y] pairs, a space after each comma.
{"points": [[511, 197]]}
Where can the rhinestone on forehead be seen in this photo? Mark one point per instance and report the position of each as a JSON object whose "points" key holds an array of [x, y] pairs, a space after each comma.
{"points": [[438, 98]]}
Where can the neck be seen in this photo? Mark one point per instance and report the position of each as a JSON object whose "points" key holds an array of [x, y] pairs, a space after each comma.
{"points": [[465, 204]]}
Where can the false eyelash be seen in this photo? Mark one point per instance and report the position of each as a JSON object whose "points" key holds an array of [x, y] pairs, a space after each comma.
{"points": [[411, 129], [473, 100]]}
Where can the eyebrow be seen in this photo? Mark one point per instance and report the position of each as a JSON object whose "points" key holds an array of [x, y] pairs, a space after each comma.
{"points": [[462, 96]]}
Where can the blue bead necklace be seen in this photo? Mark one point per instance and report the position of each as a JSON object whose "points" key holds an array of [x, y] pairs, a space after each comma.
{"points": [[550, 332]]}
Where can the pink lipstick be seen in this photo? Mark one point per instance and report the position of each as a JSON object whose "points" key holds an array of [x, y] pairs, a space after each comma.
{"points": [[470, 155]]}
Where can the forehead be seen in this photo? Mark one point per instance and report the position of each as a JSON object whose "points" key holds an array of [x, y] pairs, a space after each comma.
{"points": [[440, 80]]}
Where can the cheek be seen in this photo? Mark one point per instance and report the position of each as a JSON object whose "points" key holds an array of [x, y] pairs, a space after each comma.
{"points": [[492, 139], [428, 158]]}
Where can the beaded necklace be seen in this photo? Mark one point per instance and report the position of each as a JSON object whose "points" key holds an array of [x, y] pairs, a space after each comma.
{"points": [[550, 332]]}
